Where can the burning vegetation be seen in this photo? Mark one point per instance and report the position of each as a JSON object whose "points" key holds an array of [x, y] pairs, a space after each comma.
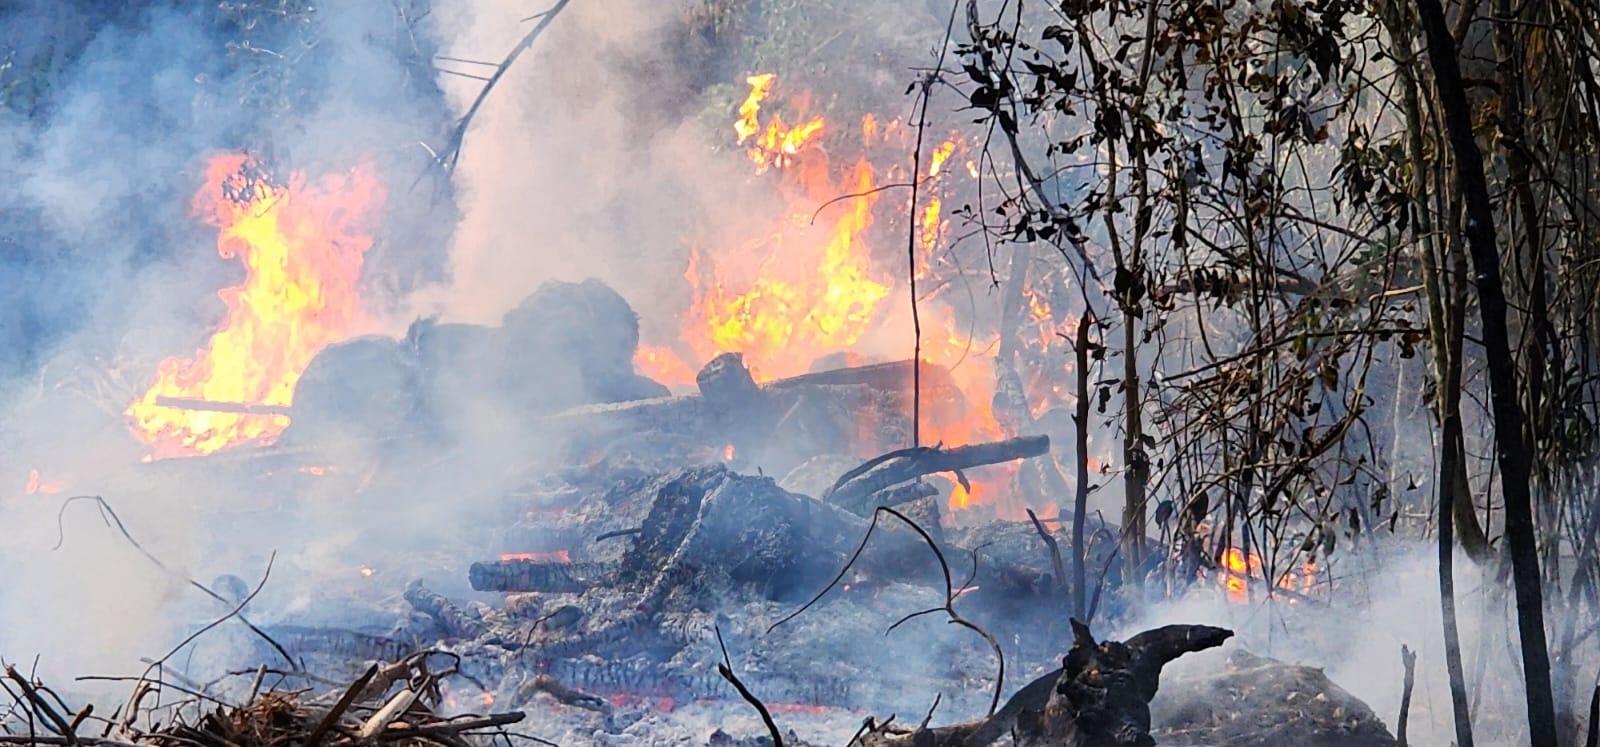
{"points": [[302, 244]]}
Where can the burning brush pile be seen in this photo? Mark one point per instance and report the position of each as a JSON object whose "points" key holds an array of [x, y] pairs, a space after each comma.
{"points": [[728, 520]]}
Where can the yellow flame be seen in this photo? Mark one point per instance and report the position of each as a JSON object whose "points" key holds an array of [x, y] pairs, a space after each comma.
{"points": [[302, 245]]}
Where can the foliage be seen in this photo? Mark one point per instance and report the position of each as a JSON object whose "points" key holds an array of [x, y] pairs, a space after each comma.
{"points": [[1260, 200], [1208, 170]]}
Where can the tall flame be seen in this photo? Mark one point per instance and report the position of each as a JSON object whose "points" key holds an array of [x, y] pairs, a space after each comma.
{"points": [[809, 287], [302, 244]]}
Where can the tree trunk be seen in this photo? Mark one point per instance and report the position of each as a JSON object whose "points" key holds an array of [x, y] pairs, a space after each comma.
{"points": [[1516, 469]]}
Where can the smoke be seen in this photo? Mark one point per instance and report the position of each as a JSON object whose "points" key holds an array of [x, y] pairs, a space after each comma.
{"points": [[590, 159], [1387, 597], [105, 120], [562, 175]]}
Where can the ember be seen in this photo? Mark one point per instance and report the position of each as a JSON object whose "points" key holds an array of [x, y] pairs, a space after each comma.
{"points": [[301, 243], [1240, 569], [558, 556], [38, 485]]}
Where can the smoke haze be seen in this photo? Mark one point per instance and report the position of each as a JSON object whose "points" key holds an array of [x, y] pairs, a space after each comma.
{"points": [[584, 162]]}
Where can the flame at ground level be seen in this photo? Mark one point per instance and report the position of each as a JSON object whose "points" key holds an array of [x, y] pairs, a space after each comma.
{"points": [[1240, 568], [301, 243], [557, 556]]}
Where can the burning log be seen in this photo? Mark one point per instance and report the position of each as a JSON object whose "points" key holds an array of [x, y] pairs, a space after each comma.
{"points": [[536, 575], [1099, 698]]}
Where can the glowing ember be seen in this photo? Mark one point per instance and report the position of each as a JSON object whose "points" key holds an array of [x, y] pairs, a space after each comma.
{"points": [[38, 485], [663, 365], [798, 709], [301, 244], [559, 556], [1239, 568]]}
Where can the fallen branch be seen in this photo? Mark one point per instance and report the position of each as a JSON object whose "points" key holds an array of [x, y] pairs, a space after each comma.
{"points": [[909, 464], [726, 670], [449, 155], [564, 695], [343, 704], [1055, 549], [40, 705]]}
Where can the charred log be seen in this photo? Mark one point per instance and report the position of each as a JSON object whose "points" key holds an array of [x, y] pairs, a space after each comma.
{"points": [[456, 622], [819, 412], [898, 495], [536, 575], [788, 545]]}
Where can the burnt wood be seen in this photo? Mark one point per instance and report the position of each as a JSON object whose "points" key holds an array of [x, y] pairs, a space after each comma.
{"points": [[1099, 698], [535, 575], [889, 470]]}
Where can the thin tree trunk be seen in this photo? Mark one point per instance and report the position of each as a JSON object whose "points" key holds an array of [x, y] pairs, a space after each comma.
{"points": [[1450, 458], [1444, 298], [1080, 501], [1515, 466]]}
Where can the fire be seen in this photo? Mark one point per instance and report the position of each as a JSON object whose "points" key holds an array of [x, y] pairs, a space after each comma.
{"points": [[798, 709], [828, 275], [301, 243], [778, 144], [728, 453], [39, 485], [664, 365], [558, 556], [1239, 568]]}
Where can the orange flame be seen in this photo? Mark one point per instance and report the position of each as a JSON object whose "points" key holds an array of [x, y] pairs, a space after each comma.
{"points": [[557, 556], [810, 285], [301, 244], [1239, 568], [779, 143], [39, 485]]}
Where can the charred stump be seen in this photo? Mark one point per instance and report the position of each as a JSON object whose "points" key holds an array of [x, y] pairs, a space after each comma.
{"points": [[1099, 698]]}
